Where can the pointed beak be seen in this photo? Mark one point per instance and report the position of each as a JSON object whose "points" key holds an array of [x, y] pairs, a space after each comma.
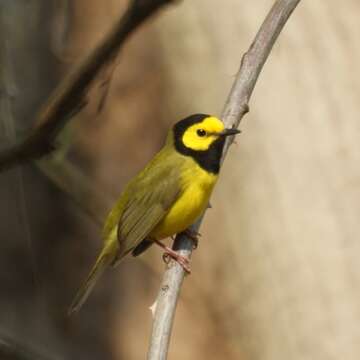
{"points": [[228, 132]]}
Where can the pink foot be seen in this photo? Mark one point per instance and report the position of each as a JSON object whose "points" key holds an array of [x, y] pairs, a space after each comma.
{"points": [[172, 254]]}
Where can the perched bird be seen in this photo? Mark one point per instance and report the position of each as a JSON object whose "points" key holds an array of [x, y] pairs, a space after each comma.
{"points": [[165, 198]]}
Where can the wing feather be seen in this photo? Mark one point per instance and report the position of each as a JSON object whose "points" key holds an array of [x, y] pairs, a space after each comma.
{"points": [[151, 196]]}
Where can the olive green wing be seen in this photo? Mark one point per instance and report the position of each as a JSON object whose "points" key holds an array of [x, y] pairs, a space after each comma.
{"points": [[150, 197], [143, 204]]}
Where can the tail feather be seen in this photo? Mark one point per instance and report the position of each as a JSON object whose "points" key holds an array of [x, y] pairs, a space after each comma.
{"points": [[101, 264]]}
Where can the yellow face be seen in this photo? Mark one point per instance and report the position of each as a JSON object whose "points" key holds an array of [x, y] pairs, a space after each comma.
{"points": [[201, 135]]}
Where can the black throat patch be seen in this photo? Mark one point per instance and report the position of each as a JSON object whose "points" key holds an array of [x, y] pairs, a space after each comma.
{"points": [[208, 159]]}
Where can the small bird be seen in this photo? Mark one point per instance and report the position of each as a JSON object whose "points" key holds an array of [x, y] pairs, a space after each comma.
{"points": [[165, 198]]}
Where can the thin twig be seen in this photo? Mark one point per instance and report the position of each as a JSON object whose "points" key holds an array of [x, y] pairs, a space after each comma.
{"points": [[70, 96], [235, 108]]}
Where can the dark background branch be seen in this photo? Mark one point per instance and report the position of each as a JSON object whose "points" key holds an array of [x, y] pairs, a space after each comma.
{"points": [[70, 96]]}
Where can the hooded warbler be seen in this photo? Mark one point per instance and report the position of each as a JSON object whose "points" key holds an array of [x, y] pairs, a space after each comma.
{"points": [[165, 198]]}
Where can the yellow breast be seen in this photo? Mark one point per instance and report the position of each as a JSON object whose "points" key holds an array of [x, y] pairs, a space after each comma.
{"points": [[197, 185]]}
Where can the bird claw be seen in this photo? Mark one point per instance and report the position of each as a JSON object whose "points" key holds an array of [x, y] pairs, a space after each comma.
{"points": [[181, 260], [166, 258], [184, 262], [172, 254]]}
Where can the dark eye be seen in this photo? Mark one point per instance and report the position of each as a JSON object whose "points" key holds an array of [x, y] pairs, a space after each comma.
{"points": [[201, 132]]}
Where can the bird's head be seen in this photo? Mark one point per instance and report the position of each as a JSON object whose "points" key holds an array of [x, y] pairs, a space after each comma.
{"points": [[202, 137], [198, 132]]}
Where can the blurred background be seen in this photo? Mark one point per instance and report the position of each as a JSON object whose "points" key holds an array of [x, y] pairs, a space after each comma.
{"points": [[277, 272]]}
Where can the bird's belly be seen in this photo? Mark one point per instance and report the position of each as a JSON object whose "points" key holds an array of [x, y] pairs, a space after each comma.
{"points": [[185, 211]]}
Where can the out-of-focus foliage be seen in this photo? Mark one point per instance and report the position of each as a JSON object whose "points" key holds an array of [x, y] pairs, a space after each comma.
{"points": [[276, 274]]}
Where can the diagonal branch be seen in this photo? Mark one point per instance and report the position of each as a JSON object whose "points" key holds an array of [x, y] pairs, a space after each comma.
{"points": [[70, 96], [235, 108]]}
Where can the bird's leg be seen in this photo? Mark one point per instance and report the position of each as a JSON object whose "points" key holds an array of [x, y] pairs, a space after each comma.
{"points": [[193, 235], [170, 253]]}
